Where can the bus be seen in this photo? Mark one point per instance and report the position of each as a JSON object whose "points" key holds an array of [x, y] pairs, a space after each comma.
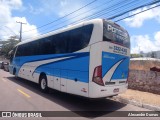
{"points": [[89, 59]]}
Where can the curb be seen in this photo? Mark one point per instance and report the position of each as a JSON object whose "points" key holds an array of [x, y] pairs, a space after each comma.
{"points": [[135, 103]]}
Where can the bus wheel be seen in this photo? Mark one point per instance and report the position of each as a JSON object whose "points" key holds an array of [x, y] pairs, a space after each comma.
{"points": [[43, 84]]}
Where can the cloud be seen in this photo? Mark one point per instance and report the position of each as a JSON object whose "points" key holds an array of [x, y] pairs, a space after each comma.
{"points": [[8, 24], [69, 6], [138, 20], [144, 43], [157, 36], [34, 10], [61, 8], [12, 4]]}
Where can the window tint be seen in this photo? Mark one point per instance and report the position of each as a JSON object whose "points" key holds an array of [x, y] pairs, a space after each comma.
{"points": [[61, 42], [114, 33], [79, 38], [33, 48], [75, 41], [66, 42], [45, 46], [86, 36], [19, 51]]}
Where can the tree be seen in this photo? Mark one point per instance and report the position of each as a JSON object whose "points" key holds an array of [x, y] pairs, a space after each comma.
{"points": [[136, 55], [8, 46]]}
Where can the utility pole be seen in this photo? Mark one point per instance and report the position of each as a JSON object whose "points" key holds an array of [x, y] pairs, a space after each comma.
{"points": [[20, 36]]}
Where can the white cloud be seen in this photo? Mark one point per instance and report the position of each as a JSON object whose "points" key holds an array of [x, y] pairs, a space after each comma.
{"points": [[144, 43], [61, 8], [69, 6], [138, 20], [12, 4], [55, 9], [157, 36], [8, 24], [34, 10]]}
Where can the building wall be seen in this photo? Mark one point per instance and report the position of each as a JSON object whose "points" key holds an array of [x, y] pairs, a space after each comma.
{"points": [[156, 54], [148, 81]]}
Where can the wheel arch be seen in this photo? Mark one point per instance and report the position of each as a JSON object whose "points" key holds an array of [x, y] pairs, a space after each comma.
{"points": [[42, 74]]}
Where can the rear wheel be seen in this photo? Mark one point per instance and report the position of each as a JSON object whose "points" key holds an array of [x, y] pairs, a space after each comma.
{"points": [[43, 84]]}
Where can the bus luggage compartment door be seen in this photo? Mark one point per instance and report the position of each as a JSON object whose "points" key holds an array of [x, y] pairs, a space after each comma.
{"points": [[64, 80], [57, 79]]}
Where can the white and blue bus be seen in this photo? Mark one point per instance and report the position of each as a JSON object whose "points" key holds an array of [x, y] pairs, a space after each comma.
{"points": [[89, 59]]}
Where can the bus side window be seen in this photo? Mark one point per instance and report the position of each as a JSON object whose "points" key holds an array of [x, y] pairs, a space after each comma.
{"points": [[45, 46], [34, 48], [60, 42], [86, 34], [52, 45], [75, 41], [19, 51]]}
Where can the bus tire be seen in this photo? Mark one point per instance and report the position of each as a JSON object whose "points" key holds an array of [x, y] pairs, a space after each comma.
{"points": [[43, 84]]}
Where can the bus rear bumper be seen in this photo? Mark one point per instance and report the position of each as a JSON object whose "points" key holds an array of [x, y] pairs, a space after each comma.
{"points": [[107, 91]]}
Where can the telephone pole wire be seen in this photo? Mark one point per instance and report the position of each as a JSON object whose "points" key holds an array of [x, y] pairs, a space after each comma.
{"points": [[20, 36]]}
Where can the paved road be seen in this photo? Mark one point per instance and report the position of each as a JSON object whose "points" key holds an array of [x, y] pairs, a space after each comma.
{"points": [[21, 95]]}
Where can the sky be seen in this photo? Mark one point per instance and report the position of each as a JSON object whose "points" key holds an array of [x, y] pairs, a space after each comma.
{"points": [[144, 28]]}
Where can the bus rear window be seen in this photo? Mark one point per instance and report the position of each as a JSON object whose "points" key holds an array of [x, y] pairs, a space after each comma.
{"points": [[115, 34]]}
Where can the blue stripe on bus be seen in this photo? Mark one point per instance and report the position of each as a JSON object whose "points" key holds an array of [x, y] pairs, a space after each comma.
{"points": [[77, 66], [70, 68], [25, 59], [110, 59]]}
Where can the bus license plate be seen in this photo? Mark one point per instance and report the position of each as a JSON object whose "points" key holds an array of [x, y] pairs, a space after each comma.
{"points": [[116, 90]]}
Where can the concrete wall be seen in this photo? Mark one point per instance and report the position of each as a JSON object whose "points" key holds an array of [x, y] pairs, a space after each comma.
{"points": [[142, 80]]}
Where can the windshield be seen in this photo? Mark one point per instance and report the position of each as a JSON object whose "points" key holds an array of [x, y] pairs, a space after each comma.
{"points": [[116, 34]]}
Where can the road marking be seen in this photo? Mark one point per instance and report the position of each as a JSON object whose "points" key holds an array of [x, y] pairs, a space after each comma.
{"points": [[25, 94], [4, 79]]}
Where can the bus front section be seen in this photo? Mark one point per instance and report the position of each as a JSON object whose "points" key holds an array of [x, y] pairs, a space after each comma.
{"points": [[110, 63]]}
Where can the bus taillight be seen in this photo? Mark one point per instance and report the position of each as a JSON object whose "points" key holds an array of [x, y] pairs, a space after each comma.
{"points": [[97, 76]]}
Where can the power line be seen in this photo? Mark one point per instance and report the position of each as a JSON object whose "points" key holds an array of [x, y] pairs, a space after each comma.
{"points": [[63, 16], [134, 9], [120, 2], [137, 13], [98, 14], [86, 12], [11, 30], [95, 14], [8, 34], [4, 31], [150, 3]]}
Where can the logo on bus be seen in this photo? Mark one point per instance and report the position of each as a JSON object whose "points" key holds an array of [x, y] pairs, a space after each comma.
{"points": [[117, 31]]}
